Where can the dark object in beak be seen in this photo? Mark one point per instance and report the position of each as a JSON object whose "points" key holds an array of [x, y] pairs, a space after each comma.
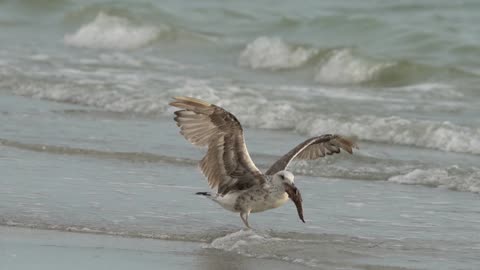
{"points": [[296, 197]]}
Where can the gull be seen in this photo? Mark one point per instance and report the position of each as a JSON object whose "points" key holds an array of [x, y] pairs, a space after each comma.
{"points": [[239, 186]]}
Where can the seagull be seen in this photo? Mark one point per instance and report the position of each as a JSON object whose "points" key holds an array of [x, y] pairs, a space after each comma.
{"points": [[239, 186]]}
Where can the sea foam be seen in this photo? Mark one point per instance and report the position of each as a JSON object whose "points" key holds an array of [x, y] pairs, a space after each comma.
{"points": [[452, 177], [444, 136], [254, 110], [260, 245], [111, 32]]}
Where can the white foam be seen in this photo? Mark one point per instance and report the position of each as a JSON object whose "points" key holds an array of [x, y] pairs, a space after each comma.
{"points": [[452, 178], [39, 57], [342, 67], [124, 96], [252, 244], [111, 32], [238, 241], [137, 94], [426, 90], [274, 54], [438, 135], [268, 115]]}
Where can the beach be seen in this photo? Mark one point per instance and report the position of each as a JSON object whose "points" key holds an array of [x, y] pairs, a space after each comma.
{"points": [[94, 172], [27, 249]]}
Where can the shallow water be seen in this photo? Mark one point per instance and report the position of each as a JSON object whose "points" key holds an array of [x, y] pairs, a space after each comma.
{"points": [[88, 144], [26, 248]]}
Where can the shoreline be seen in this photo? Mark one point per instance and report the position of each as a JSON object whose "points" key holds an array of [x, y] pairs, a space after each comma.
{"points": [[25, 248]]}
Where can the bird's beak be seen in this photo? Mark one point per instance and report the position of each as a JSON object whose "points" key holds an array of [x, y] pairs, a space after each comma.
{"points": [[296, 197]]}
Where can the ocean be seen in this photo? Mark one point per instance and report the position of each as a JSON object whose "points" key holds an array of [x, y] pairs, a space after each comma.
{"points": [[89, 149]]}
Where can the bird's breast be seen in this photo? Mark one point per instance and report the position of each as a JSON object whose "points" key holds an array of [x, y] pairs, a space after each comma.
{"points": [[269, 201]]}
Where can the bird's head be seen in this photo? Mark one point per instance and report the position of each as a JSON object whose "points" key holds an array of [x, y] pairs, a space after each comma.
{"points": [[286, 179]]}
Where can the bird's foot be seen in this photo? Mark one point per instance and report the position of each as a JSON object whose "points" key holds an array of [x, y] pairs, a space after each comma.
{"points": [[244, 217]]}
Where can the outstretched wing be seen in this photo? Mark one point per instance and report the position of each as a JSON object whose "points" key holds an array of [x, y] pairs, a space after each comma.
{"points": [[314, 148], [227, 164]]}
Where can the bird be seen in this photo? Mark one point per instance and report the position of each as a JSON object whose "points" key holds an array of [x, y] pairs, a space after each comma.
{"points": [[237, 184]]}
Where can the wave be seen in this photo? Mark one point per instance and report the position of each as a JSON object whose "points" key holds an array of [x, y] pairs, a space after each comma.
{"points": [[346, 67], [111, 32], [292, 247], [221, 238], [260, 245], [454, 178], [302, 248], [340, 66], [126, 156], [255, 110], [444, 136], [308, 169], [360, 167], [423, 133], [274, 54], [429, 90], [306, 110], [206, 237], [353, 167]]}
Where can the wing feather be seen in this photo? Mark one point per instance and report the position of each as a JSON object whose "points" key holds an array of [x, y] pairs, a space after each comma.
{"points": [[314, 148], [227, 164]]}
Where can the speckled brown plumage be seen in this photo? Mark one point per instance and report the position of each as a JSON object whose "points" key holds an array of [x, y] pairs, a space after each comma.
{"points": [[241, 186]]}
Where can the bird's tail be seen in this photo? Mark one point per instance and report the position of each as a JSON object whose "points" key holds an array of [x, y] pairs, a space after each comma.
{"points": [[206, 194]]}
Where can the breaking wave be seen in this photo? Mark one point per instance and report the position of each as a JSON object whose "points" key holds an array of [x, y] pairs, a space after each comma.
{"points": [[339, 66], [454, 178], [342, 67], [112, 32], [423, 133], [254, 110], [274, 54]]}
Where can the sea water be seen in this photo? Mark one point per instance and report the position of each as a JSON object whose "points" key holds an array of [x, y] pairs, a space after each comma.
{"points": [[88, 143]]}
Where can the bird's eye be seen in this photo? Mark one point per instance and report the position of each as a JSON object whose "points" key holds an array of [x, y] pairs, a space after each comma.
{"points": [[282, 176]]}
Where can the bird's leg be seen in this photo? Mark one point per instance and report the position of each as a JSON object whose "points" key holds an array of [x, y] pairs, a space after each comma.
{"points": [[244, 217]]}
